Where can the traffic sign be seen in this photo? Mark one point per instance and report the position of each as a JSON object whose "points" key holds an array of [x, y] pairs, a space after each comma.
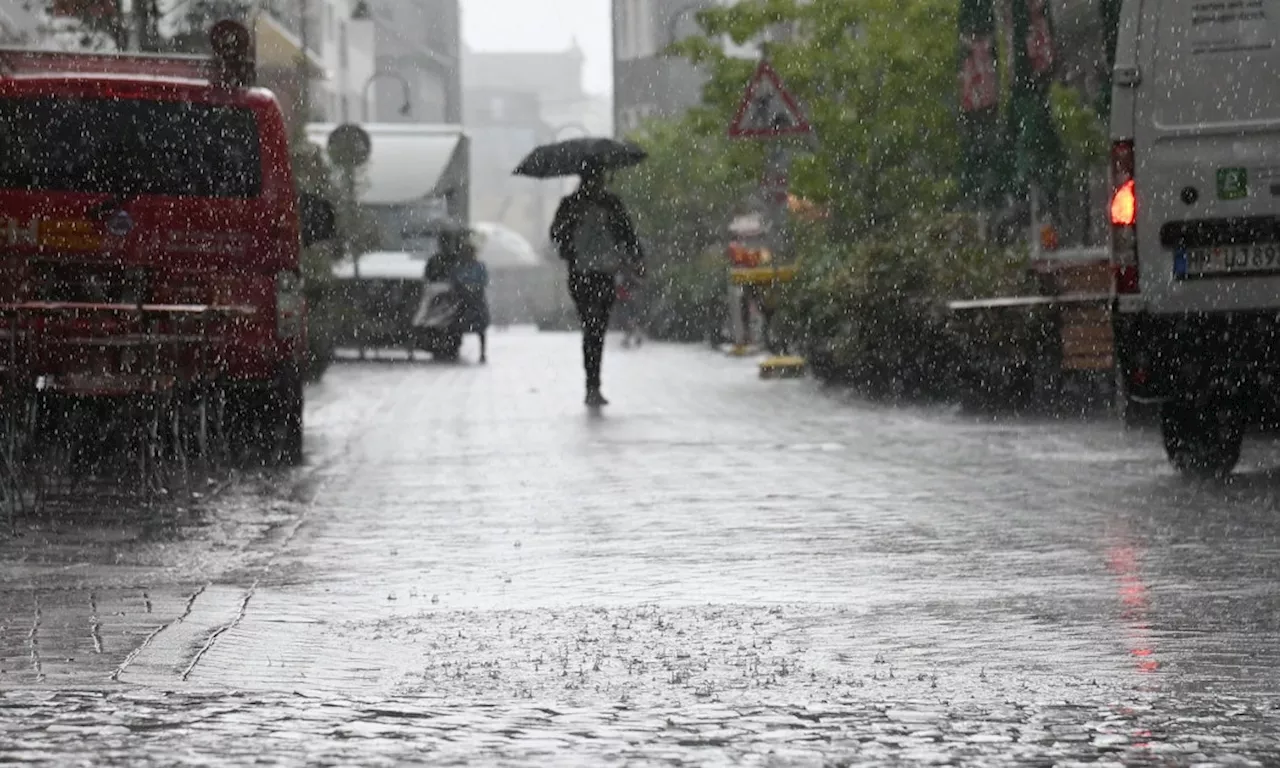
{"points": [[767, 109], [349, 146]]}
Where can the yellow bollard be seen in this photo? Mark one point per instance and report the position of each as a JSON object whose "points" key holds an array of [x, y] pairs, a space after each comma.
{"points": [[782, 367]]}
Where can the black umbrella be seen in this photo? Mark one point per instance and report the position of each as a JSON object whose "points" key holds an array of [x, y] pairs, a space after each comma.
{"points": [[573, 157]]}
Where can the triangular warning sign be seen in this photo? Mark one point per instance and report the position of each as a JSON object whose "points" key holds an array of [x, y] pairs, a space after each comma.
{"points": [[767, 109]]}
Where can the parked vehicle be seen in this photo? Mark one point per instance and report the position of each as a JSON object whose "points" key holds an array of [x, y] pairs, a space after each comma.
{"points": [[379, 295], [454, 303], [153, 235], [405, 301], [437, 327], [1195, 163]]}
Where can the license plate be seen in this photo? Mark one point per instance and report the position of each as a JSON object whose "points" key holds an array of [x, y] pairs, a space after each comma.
{"points": [[1227, 260]]}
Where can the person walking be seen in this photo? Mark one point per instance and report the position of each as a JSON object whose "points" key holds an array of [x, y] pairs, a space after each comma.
{"points": [[594, 235], [471, 279]]}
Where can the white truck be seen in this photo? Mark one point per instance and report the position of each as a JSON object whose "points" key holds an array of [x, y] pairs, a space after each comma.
{"points": [[1195, 214]]}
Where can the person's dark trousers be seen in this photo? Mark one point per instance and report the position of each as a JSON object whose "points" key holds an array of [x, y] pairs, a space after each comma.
{"points": [[593, 294]]}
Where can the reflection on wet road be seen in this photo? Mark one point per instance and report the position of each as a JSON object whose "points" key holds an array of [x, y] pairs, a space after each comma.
{"points": [[715, 570]]}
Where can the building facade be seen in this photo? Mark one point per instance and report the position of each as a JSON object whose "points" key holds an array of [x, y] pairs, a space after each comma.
{"points": [[515, 101], [646, 83], [339, 42], [504, 126], [384, 61], [417, 46], [18, 24]]}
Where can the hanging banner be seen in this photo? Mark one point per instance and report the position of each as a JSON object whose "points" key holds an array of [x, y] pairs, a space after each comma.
{"points": [[83, 9], [1039, 148], [978, 84]]}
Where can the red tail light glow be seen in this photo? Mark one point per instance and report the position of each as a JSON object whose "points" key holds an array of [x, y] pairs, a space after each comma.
{"points": [[1124, 205], [1124, 218]]}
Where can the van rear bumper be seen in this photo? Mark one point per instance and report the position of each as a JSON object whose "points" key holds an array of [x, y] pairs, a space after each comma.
{"points": [[1167, 356]]}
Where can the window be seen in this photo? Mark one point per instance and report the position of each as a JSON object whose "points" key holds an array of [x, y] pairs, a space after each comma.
{"points": [[630, 39], [624, 29], [342, 45], [129, 147], [641, 34]]}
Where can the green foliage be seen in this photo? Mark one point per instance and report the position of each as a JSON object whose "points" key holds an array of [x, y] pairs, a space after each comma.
{"points": [[686, 301], [328, 308], [682, 197], [877, 79], [871, 313], [1084, 136], [312, 175]]}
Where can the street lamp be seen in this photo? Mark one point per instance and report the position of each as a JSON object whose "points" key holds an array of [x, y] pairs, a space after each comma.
{"points": [[579, 127], [680, 16], [557, 134], [364, 94]]}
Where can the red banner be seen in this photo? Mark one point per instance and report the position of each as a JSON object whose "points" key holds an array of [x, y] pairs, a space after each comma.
{"points": [[1039, 39], [83, 9], [979, 81]]}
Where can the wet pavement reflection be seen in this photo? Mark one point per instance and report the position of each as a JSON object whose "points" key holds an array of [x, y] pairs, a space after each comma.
{"points": [[138, 728], [716, 570]]}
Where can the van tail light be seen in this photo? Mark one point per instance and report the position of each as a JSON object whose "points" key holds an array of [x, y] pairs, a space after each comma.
{"points": [[1124, 218], [1124, 204]]}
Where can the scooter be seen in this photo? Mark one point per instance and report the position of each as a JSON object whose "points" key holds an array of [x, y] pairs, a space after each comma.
{"points": [[437, 325]]}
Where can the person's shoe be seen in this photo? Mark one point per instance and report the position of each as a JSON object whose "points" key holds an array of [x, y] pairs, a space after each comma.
{"points": [[595, 399]]}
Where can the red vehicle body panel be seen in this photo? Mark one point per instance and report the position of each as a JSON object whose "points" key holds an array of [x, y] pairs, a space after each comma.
{"points": [[208, 265]]}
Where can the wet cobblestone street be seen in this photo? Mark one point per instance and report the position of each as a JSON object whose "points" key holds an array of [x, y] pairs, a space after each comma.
{"points": [[717, 570]]}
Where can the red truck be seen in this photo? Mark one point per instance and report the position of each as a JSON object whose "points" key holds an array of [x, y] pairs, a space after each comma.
{"points": [[151, 238]]}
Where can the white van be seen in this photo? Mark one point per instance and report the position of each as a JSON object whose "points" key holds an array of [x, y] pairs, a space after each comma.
{"points": [[1195, 213]]}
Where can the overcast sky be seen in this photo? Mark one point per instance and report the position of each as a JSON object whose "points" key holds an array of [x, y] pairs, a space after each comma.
{"points": [[544, 25]]}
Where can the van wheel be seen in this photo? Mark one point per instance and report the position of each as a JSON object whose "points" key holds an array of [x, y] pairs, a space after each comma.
{"points": [[448, 348], [264, 424], [1140, 415], [1201, 442], [284, 417]]}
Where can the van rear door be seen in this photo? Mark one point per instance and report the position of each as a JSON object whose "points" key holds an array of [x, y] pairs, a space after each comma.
{"points": [[1207, 146]]}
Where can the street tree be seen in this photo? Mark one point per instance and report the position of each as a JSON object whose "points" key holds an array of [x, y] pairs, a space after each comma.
{"points": [[683, 196], [877, 80]]}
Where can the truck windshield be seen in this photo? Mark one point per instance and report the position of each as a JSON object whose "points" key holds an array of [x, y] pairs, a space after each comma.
{"points": [[129, 147]]}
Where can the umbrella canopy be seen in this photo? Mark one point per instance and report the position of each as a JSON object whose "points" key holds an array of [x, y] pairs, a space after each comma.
{"points": [[573, 157]]}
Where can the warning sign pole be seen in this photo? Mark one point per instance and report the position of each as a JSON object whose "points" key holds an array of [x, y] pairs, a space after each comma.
{"points": [[768, 112]]}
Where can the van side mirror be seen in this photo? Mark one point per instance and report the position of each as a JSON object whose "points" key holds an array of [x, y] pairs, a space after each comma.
{"points": [[317, 218]]}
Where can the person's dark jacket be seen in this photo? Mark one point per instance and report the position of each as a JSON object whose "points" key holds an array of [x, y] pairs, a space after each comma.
{"points": [[569, 214], [470, 280]]}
